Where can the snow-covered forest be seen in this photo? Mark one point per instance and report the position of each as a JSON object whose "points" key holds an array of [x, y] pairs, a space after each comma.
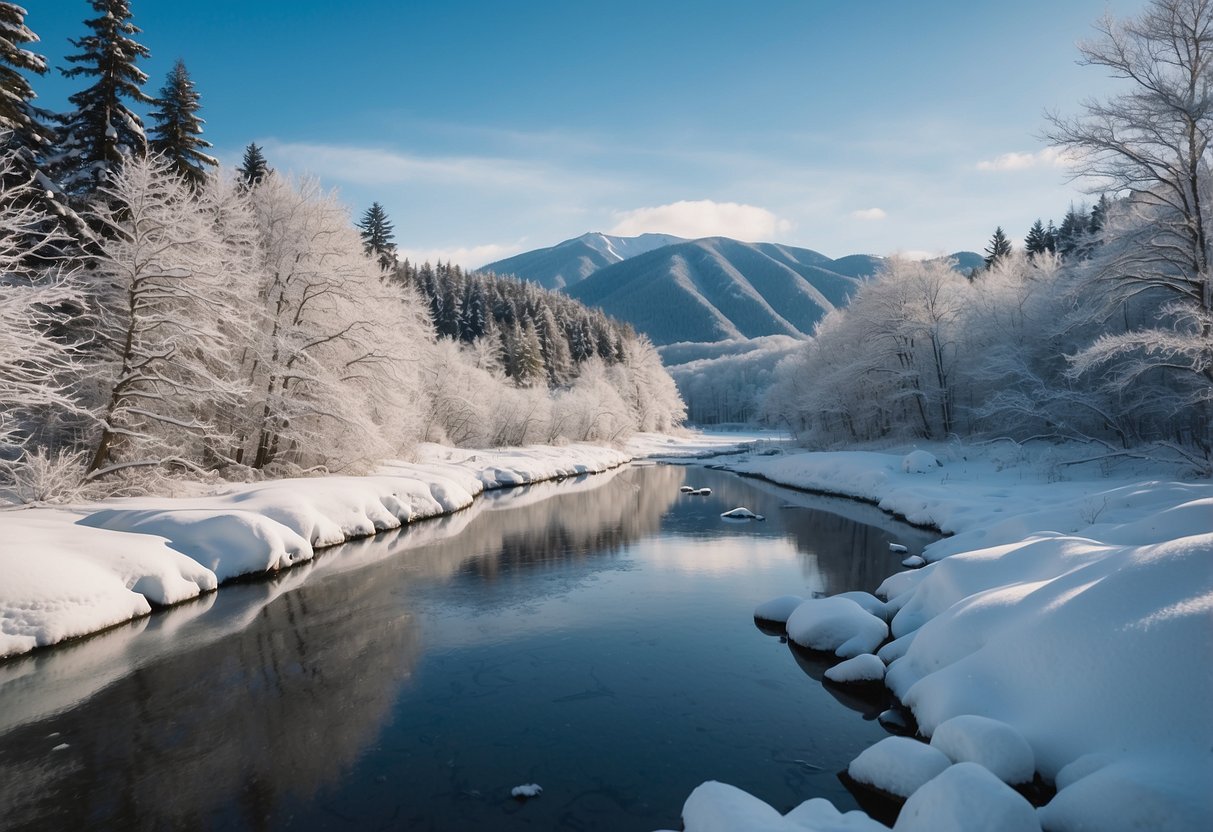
{"points": [[1101, 330], [159, 315]]}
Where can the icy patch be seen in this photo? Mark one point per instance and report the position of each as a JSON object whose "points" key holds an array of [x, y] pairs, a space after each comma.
{"points": [[898, 765], [864, 668], [778, 609], [992, 744], [526, 790], [965, 798], [838, 625]]}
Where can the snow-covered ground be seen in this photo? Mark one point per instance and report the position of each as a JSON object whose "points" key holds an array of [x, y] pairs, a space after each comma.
{"points": [[68, 571], [1068, 621]]}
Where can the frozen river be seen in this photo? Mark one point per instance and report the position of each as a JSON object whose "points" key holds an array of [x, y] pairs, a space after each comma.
{"points": [[592, 636]]}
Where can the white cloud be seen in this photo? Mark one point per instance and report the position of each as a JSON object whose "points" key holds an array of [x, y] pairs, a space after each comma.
{"points": [[869, 214], [702, 218], [469, 257], [1049, 157]]}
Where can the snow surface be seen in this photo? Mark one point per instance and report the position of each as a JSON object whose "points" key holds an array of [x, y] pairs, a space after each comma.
{"points": [[964, 798], [919, 462], [838, 625], [778, 609], [73, 570], [862, 668], [994, 745], [898, 765], [718, 807], [1072, 603]]}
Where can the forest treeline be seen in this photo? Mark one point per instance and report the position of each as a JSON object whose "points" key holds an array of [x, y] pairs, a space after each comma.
{"points": [[158, 315]]}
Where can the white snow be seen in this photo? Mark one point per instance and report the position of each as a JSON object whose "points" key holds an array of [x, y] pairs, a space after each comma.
{"points": [[992, 744], [919, 462], [527, 790], [838, 625], [898, 765], [778, 609], [964, 798], [73, 570], [898, 548], [867, 600], [741, 513], [913, 562], [719, 807], [862, 668]]}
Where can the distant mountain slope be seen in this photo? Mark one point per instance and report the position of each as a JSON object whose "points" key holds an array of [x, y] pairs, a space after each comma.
{"points": [[568, 263], [717, 288]]}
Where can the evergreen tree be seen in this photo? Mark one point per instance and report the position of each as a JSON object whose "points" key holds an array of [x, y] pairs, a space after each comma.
{"points": [[1099, 216], [25, 134], [254, 168], [1071, 236], [1051, 237], [377, 236], [1036, 242], [178, 130], [998, 248], [103, 131]]}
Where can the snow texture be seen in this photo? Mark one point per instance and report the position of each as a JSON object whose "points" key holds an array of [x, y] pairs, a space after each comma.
{"points": [[864, 668], [898, 765], [992, 744], [837, 625], [778, 609], [963, 798], [70, 571]]}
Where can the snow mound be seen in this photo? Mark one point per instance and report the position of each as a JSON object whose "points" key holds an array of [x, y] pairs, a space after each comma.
{"points": [[965, 798], [838, 625], [719, 807], [914, 562], [778, 609], [994, 745], [864, 668], [898, 765], [867, 600], [526, 790], [898, 548], [920, 462], [741, 513]]}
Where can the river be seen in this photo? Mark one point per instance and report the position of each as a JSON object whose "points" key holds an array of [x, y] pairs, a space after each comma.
{"points": [[593, 636]]}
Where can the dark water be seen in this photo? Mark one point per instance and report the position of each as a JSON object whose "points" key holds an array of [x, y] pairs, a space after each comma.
{"points": [[594, 637]]}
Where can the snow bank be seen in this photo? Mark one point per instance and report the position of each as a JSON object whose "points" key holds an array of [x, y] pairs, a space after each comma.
{"points": [[964, 798], [70, 571], [718, 807], [919, 462], [898, 765], [838, 625]]}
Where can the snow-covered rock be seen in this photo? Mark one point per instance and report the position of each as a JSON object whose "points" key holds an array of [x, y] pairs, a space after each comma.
{"points": [[964, 798], [702, 492], [685, 489], [527, 790], [898, 765], [898, 548], [838, 625], [778, 609], [920, 462], [863, 668], [914, 562], [741, 513], [719, 807], [992, 744], [867, 600]]}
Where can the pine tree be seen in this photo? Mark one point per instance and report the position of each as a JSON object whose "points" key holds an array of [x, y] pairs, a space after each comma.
{"points": [[1071, 236], [1051, 237], [103, 131], [178, 130], [377, 235], [998, 248], [1036, 242], [254, 168], [25, 134]]}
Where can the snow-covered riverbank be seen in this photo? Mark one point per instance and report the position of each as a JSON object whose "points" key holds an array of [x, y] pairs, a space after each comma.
{"points": [[67, 571], [1073, 604]]}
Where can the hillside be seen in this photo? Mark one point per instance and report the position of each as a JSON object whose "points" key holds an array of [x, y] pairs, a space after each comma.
{"points": [[568, 263], [717, 288]]}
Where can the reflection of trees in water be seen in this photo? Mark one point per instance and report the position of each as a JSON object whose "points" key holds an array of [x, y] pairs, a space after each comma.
{"points": [[221, 733]]}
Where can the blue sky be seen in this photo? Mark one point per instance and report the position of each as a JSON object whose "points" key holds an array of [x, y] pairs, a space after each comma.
{"points": [[487, 128]]}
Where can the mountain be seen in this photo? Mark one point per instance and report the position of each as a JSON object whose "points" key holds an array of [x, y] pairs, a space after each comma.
{"points": [[717, 288], [568, 263]]}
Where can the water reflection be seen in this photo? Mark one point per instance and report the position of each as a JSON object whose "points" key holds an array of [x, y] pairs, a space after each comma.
{"points": [[591, 635]]}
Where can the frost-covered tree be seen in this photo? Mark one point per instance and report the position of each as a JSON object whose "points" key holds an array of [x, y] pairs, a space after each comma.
{"points": [[253, 168], [164, 328], [177, 131], [377, 236], [103, 131], [1150, 144]]}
